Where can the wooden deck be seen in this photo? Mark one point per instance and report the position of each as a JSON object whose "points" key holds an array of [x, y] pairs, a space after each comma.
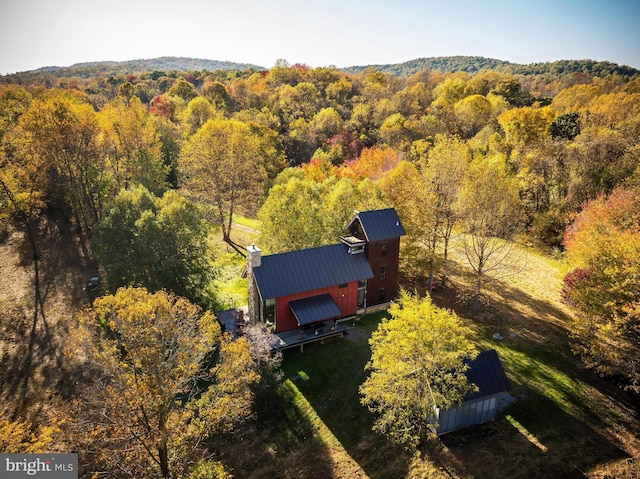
{"points": [[296, 338], [232, 321]]}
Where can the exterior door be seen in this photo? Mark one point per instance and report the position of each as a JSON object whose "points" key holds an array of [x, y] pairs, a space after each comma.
{"points": [[362, 295]]}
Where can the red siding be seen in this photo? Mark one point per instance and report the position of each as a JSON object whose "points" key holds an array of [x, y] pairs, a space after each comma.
{"points": [[373, 251], [346, 299]]}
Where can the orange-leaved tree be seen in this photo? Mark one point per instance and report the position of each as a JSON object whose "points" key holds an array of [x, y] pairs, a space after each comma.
{"points": [[603, 245]]}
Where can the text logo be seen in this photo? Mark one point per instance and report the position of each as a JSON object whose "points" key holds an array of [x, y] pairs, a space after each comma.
{"points": [[46, 466]]}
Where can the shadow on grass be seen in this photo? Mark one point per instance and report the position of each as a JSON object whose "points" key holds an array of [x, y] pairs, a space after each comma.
{"points": [[535, 439], [281, 442], [332, 374], [32, 365], [557, 427]]}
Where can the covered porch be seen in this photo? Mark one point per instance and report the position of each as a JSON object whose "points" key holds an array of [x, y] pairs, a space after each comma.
{"points": [[317, 318]]}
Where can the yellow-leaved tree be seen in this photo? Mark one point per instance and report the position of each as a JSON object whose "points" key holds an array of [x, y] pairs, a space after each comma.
{"points": [[164, 379], [223, 165], [417, 365], [21, 437]]}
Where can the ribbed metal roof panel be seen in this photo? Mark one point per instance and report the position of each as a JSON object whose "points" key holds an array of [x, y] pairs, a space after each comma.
{"points": [[486, 372], [380, 224], [309, 269], [320, 307]]}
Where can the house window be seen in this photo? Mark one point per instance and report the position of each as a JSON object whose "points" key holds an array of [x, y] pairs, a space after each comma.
{"points": [[383, 273], [358, 248], [384, 249], [269, 311], [344, 285], [381, 294]]}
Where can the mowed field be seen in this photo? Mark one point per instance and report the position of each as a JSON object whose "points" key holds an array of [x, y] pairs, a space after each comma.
{"points": [[567, 421]]}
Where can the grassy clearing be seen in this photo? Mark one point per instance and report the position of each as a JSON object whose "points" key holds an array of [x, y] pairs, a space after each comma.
{"points": [[567, 421], [247, 222], [229, 262]]}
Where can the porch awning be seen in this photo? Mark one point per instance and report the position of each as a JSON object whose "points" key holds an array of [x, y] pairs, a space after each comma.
{"points": [[314, 309]]}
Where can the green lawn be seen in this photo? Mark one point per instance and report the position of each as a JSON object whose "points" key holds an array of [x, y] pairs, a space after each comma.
{"points": [[567, 422]]}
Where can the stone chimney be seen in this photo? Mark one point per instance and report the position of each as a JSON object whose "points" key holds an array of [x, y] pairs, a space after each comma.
{"points": [[254, 257], [254, 260]]}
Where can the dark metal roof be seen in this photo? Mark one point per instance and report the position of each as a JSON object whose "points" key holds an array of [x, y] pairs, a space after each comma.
{"points": [[380, 224], [486, 372], [309, 269], [314, 309]]}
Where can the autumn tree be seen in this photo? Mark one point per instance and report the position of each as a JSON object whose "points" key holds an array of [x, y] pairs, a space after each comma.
{"points": [[301, 213], [603, 245], [289, 216], [21, 201], [512, 91], [426, 197], [166, 244], [394, 132], [59, 133], [35, 174], [472, 113], [376, 85], [300, 101], [22, 437], [132, 144], [343, 147], [165, 379], [183, 89], [340, 90], [491, 216], [524, 126], [404, 188], [166, 106], [361, 123], [14, 101], [198, 112], [417, 365], [446, 95], [605, 153], [222, 166], [372, 163], [217, 94], [444, 172], [413, 100], [566, 126]]}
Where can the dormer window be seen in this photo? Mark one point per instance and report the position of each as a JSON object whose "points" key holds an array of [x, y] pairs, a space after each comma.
{"points": [[356, 249]]}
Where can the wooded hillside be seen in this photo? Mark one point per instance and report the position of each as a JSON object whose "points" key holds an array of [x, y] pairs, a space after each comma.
{"points": [[139, 173]]}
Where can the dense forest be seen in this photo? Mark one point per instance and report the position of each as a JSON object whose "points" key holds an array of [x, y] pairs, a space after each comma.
{"points": [[144, 167]]}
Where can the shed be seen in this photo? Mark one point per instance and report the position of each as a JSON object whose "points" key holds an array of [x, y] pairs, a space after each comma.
{"points": [[486, 372]]}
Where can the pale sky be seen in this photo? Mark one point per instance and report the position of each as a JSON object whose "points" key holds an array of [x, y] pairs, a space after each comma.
{"points": [[38, 33]]}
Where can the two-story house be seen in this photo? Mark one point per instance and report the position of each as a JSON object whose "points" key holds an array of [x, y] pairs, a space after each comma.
{"points": [[310, 287]]}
